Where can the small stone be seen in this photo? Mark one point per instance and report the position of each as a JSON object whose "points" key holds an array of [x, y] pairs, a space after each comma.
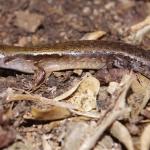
{"points": [[78, 71], [97, 2], [23, 41], [95, 12], [109, 5], [28, 21], [86, 11]]}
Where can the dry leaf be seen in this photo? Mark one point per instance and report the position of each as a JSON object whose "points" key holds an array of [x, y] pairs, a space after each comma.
{"points": [[138, 31], [53, 113], [139, 35], [93, 35], [68, 93], [120, 132], [141, 95], [140, 84], [145, 138], [85, 96], [140, 25], [95, 115]]}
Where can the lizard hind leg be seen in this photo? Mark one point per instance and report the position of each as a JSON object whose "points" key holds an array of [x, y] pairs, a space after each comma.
{"points": [[40, 75]]}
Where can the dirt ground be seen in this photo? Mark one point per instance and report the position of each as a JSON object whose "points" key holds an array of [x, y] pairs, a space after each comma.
{"points": [[40, 22]]}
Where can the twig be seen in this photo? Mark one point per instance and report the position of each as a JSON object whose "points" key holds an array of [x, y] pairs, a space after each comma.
{"points": [[90, 142]]}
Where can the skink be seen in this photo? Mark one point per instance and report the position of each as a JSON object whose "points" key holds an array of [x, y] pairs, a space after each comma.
{"points": [[76, 55]]}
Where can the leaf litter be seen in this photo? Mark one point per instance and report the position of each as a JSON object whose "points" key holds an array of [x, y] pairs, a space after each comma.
{"points": [[81, 100]]}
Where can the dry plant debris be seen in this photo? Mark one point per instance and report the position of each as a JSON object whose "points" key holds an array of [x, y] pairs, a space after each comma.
{"points": [[81, 100], [82, 97], [141, 95], [93, 35], [52, 113], [7, 134], [138, 31], [145, 142], [119, 110], [75, 132], [120, 132], [140, 25], [85, 96]]}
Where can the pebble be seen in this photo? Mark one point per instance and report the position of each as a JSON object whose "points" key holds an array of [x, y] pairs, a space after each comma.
{"points": [[28, 21]]}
